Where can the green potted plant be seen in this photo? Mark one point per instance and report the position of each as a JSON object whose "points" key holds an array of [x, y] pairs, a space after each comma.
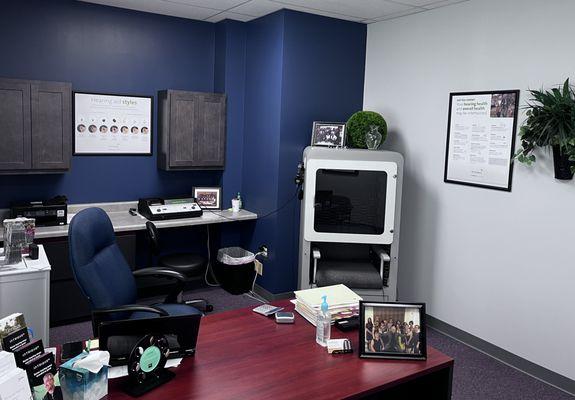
{"points": [[360, 123], [551, 122]]}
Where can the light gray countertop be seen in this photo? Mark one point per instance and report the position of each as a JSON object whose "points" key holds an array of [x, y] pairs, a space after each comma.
{"points": [[123, 221]]}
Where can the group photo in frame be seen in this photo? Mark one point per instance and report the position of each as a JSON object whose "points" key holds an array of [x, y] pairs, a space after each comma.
{"points": [[392, 330], [209, 198], [112, 124], [328, 134]]}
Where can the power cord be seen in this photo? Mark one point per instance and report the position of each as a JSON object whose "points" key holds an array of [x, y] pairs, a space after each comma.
{"points": [[255, 296], [282, 206], [209, 266]]}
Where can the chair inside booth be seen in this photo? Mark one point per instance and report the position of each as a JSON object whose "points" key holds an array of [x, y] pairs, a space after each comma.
{"points": [[358, 266]]}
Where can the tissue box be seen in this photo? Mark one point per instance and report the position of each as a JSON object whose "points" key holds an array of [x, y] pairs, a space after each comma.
{"points": [[81, 384]]}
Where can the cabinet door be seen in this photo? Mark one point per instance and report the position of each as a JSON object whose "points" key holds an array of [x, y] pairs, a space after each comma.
{"points": [[209, 145], [51, 125], [183, 119], [15, 134]]}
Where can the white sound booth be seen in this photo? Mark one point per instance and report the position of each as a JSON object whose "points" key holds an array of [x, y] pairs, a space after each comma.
{"points": [[350, 220]]}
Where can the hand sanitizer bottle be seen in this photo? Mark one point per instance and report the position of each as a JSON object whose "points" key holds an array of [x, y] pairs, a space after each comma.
{"points": [[323, 324], [240, 199]]}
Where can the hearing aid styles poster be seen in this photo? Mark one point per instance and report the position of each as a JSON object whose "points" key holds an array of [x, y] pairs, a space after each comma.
{"points": [[481, 138], [112, 124]]}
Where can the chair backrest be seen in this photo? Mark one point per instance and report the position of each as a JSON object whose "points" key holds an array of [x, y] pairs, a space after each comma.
{"points": [[153, 237], [99, 266], [344, 251]]}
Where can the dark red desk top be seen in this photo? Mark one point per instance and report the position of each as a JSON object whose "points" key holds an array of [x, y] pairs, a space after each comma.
{"points": [[243, 355]]}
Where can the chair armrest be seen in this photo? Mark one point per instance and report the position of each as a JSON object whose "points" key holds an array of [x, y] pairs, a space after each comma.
{"points": [[159, 272], [99, 313], [316, 256], [381, 253], [175, 295], [316, 253], [130, 308], [383, 257]]}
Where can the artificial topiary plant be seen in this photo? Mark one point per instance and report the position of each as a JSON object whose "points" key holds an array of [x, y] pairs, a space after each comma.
{"points": [[358, 125]]}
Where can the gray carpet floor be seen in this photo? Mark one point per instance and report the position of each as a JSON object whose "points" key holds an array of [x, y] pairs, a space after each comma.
{"points": [[476, 375]]}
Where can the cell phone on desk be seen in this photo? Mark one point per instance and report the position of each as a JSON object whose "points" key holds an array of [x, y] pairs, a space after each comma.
{"points": [[285, 317]]}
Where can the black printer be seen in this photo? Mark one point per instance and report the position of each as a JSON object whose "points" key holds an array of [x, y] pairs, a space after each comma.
{"points": [[51, 212]]}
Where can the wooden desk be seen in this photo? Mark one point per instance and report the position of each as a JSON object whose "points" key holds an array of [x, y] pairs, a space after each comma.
{"points": [[243, 355]]}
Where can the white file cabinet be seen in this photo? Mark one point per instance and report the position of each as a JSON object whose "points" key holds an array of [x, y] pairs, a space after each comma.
{"points": [[25, 288]]}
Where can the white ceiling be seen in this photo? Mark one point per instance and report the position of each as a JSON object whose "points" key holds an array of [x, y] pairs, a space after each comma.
{"points": [[365, 11]]}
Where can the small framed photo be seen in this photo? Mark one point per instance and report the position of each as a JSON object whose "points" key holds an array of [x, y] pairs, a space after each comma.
{"points": [[392, 330], [209, 197], [329, 134]]}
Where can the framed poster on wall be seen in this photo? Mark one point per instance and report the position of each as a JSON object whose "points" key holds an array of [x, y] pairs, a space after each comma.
{"points": [[481, 138], [112, 124]]}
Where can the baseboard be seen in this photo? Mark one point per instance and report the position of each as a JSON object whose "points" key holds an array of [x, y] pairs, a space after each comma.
{"points": [[269, 296], [536, 371]]}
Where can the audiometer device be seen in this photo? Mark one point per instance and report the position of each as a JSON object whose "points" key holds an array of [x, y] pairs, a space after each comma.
{"points": [[156, 209]]}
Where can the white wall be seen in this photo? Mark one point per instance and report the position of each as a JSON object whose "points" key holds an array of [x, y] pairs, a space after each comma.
{"points": [[498, 265]]}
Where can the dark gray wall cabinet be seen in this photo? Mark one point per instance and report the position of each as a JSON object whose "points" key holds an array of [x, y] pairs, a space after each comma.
{"points": [[192, 130], [35, 126]]}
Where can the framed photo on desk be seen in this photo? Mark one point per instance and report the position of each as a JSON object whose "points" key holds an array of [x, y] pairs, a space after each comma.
{"points": [[392, 330], [209, 198]]}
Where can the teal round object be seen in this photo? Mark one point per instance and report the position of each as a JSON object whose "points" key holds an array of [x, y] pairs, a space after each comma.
{"points": [[150, 359]]}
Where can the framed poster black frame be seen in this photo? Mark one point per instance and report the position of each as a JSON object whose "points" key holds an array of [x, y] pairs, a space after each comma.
{"points": [[513, 138]]}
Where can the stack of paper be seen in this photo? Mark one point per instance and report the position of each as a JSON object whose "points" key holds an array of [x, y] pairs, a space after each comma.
{"points": [[13, 380], [342, 302]]}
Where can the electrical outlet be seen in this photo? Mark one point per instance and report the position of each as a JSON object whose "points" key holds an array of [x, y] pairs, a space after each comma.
{"points": [[264, 251], [259, 267]]}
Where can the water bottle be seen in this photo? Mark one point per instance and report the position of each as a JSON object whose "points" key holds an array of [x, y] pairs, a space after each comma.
{"points": [[323, 324]]}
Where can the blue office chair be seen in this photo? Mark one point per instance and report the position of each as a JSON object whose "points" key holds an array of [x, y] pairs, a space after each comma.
{"points": [[105, 277]]}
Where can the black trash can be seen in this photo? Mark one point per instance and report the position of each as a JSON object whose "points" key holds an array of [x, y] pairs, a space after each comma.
{"points": [[235, 270]]}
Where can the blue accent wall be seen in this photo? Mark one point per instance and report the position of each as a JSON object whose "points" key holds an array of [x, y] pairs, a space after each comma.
{"points": [[323, 78], [264, 65], [280, 73], [105, 49], [300, 68], [229, 78]]}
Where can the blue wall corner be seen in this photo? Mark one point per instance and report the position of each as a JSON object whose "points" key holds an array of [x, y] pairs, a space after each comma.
{"points": [[230, 74], [262, 107], [312, 68]]}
